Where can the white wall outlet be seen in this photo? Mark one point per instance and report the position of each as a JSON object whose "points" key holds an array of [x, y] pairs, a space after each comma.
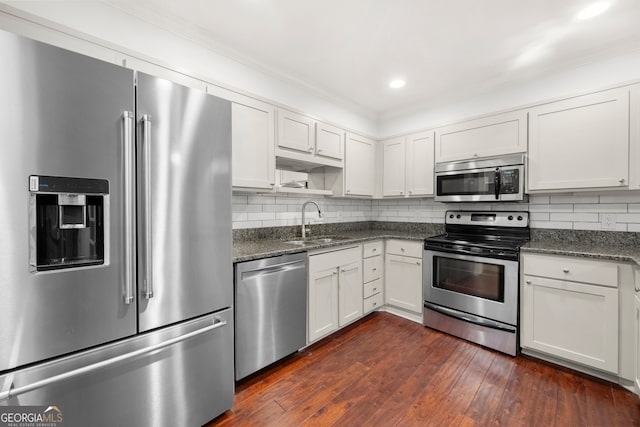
{"points": [[608, 221]]}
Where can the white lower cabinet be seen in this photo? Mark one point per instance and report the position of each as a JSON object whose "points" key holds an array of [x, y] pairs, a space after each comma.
{"points": [[403, 275], [323, 302], [569, 309], [373, 267], [350, 292], [335, 290]]}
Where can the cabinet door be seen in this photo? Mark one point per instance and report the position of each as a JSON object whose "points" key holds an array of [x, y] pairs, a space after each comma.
{"points": [[253, 150], [393, 174], [581, 142], [359, 163], [574, 321], [637, 346], [403, 282], [350, 296], [489, 136], [329, 141], [419, 162], [323, 302], [295, 131]]}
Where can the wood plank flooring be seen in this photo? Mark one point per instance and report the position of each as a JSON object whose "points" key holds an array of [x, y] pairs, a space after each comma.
{"points": [[388, 371]]}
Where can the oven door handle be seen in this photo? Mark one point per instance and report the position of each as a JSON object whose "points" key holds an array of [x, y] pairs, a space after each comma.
{"points": [[508, 256], [501, 255], [477, 320]]}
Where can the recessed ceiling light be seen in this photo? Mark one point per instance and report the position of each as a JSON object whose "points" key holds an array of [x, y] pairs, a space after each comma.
{"points": [[397, 83], [592, 10]]}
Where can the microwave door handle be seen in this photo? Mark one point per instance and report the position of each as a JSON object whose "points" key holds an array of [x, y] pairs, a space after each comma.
{"points": [[496, 181]]}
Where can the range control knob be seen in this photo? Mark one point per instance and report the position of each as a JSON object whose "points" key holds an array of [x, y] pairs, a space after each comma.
{"points": [[510, 217], [451, 216], [519, 217], [458, 216]]}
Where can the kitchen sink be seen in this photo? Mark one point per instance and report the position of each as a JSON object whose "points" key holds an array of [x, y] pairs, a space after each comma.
{"points": [[317, 240]]}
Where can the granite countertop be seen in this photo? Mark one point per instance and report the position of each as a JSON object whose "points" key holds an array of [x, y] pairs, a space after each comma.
{"points": [[605, 245], [252, 249], [255, 244]]}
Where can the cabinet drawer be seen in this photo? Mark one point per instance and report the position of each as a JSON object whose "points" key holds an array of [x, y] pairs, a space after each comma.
{"points": [[573, 269], [372, 249], [372, 288], [405, 248], [373, 303], [372, 268]]}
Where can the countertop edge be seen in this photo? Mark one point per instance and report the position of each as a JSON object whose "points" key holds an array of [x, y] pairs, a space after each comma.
{"points": [[606, 255], [283, 248]]}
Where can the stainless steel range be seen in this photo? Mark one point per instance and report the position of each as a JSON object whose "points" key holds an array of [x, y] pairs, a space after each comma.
{"points": [[470, 277]]}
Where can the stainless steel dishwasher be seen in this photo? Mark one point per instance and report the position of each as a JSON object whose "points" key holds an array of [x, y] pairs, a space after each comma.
{"points": [[271, 310]]}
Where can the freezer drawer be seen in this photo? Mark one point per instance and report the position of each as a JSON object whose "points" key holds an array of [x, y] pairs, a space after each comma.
{"points": [[271, 311], [177, 376]]}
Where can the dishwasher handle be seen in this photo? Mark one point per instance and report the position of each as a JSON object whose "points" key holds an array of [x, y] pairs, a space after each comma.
{"points": [[273, 269]]}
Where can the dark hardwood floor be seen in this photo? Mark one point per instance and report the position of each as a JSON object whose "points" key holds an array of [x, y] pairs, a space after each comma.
{"points": [[387, 371]]}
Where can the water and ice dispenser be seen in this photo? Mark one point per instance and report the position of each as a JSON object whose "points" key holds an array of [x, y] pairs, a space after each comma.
{"points": [[67, 222]]}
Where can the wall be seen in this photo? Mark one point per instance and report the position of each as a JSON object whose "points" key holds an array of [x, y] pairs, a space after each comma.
{"points": [[98, 29], [569, 82], [579, 212], [272, 210]]}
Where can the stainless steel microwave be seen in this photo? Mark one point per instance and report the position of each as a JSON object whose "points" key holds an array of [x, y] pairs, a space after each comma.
{"points": [[497, 179]]}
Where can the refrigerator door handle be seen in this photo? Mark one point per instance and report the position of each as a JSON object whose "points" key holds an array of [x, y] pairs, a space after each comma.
{"points": [[129, 203], [147, 291], [12, 392]]}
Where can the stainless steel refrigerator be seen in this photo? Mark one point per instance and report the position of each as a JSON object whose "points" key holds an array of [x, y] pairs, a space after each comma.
{"points": [[115, 264]]}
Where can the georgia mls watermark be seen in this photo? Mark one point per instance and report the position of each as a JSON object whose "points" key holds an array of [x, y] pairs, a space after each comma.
{"points": [[31, 416]]}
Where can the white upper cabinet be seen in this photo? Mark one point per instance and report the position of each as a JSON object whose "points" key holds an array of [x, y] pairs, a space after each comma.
{"points": [[634, 138], [489, 136], [359, 175], [295, 131], [407, 165], [393, 170], [253, 135], [580, 143], [304, 143], [419, 154], [329, 141]]}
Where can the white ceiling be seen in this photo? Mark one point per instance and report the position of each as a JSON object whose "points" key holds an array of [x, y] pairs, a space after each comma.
{"points": [[445, 49]]}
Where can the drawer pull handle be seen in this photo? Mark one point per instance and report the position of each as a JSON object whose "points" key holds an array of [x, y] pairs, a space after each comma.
{"points": [[402, 249], [528, 282], [374, 249], [418, 262], [373, 269], [565, 270], [375, 303], [375, 289]]}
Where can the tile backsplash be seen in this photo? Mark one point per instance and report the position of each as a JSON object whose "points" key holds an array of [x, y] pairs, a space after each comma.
{"points": [[576, 211]]}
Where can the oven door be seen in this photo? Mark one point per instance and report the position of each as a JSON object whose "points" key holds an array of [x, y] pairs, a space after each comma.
{"points": [[476, 285]]}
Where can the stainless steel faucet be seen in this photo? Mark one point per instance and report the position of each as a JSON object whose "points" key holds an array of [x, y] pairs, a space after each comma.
{"points": [[304, 206]]}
